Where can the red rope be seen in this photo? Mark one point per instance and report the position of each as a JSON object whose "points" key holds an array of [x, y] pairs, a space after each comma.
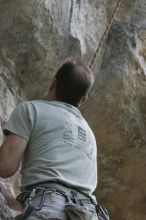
{"points": [[105, 34]]}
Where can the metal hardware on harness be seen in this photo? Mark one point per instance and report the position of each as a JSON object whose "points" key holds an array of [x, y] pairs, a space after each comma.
{"points": [[74, 197], [105, 34], [31, 207], [29, 200], [71, 198], [102, 213]]}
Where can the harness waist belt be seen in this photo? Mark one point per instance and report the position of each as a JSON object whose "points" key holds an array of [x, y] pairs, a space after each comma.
{"points": [[65, 189]]}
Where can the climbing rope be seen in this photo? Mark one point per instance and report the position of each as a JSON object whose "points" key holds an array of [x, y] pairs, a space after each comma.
{"points": [[105, 34]]}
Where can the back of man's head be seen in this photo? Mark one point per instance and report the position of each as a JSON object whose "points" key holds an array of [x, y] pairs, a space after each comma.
{"points": [[73, 82]]}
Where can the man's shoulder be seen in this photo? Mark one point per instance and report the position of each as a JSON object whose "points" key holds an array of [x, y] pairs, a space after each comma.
{"points": [[35, 105], [32, 103]]}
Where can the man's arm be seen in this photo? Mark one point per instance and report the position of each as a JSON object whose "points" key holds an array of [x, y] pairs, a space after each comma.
{"points": [[8, 192], [11, 152]]}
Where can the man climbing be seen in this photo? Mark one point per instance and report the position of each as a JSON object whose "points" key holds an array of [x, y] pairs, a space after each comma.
{"points": [[57, 149]]}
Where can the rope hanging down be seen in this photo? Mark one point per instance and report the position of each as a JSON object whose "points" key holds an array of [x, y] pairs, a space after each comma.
{"points": [[105, 34]]}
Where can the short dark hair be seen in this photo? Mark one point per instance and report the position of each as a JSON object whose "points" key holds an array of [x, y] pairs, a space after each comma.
{"points": [[73, 82]]}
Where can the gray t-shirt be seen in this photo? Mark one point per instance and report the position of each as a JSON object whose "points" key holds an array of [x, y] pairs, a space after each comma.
{"points": [[61, 146]]}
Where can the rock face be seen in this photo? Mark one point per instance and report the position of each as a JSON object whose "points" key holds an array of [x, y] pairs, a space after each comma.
{"points": [[37, 35], [5, 213]]}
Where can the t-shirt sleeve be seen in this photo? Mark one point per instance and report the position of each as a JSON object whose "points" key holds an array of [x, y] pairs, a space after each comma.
{"points": [[19, 122]]}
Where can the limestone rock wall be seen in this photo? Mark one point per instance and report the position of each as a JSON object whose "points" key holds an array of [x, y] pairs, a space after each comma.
{"points": [[36, 36], [5, 213]]}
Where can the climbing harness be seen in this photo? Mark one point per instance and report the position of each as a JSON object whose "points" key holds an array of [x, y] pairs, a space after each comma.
{"points": [[74, 206], [105, 34], [27, 201]]}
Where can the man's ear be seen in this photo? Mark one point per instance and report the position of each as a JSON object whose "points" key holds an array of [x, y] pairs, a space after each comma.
{"points": [[53, 84], [52, 90], [83, 100]]}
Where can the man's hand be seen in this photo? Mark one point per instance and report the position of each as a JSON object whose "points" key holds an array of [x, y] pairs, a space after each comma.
{"points": [[9, 195], [11, 153]]}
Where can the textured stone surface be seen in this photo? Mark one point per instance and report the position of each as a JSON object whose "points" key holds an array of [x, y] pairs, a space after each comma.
{"points": [[118, 117], [37, 35], [5, 213]]}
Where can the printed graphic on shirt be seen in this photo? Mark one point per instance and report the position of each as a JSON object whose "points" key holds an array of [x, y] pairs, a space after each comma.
{"points": [[81, 134], [90, 152], [76, 136], [68, 133]]}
